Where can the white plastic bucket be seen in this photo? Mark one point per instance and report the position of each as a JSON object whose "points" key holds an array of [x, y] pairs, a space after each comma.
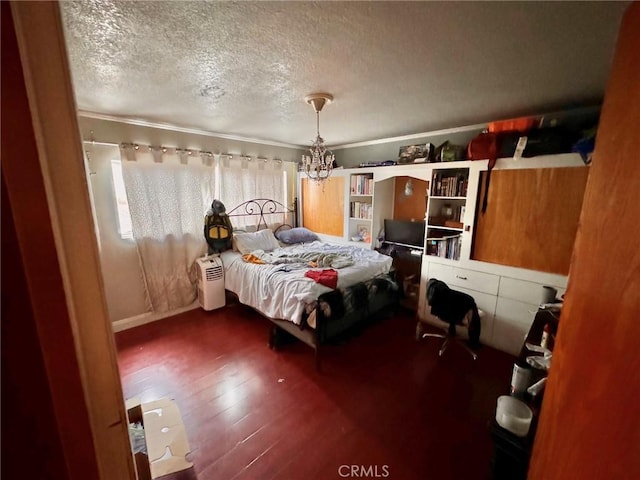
{"points": [[513, 415]]}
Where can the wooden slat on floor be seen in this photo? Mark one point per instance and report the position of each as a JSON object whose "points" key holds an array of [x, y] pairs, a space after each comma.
{"points": [[382, 400]]}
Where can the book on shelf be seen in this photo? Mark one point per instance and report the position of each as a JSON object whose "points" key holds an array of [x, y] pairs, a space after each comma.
{"points": [[361, 184], [361, 210], [447, 185], [445, 246]]}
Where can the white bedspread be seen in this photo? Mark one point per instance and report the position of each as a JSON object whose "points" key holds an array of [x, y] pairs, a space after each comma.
{"points": [[281, 291]]}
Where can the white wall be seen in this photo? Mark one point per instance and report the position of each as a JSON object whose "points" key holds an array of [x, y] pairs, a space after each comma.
{"points": [[119, 259], [351, 156], [123, 281]]}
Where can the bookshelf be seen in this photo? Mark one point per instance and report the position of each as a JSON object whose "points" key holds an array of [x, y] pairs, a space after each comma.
{"points": [[361, 207], [446, 208]]}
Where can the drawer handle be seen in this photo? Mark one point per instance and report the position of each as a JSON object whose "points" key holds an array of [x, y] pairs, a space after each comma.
{"points": [[461, 278]]}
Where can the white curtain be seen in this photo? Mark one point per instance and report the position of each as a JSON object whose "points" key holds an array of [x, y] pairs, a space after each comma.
{"points": [[245, 179], [168, 200]]}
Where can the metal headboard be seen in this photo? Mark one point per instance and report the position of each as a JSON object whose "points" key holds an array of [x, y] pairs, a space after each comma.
{"points": [[259, 207]]}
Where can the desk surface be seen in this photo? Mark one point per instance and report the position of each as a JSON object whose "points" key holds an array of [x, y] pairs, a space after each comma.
{"points": [[535, 332], [511, 453]]}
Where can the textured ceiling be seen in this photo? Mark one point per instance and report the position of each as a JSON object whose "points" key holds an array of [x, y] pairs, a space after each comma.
{"points": [[394, 68]]}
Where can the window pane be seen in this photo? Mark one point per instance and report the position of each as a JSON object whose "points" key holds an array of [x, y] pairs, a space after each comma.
{"points": [[122, 205]]}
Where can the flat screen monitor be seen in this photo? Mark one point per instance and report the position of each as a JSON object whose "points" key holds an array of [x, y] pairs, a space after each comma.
{"points": [[404, 232]]}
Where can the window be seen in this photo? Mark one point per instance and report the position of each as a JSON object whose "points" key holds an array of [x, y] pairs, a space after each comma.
{"points": [[233, 185], [122, 205]]}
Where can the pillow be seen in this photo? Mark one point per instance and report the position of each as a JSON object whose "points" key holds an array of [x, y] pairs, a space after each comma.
{"points": [[261, 240], [297, 235]]}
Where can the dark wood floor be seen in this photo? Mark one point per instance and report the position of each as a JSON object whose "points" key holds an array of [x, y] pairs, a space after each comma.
{"points": [[382, 400]]}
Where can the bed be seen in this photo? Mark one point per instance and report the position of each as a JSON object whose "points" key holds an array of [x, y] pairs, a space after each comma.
{"points": [[351, 286]]}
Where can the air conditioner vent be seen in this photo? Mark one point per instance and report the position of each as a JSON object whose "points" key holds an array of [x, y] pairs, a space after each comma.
{"points": [[214, 273]]}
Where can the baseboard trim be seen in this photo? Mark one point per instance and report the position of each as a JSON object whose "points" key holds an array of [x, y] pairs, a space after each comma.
{"points": [[142, 319]]}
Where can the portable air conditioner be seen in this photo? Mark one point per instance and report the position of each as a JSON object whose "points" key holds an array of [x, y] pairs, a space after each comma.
{"points": [[210, 282]]}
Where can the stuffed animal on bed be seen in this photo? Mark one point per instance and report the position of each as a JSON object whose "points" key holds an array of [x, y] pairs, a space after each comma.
{"points": [[217, 228]]}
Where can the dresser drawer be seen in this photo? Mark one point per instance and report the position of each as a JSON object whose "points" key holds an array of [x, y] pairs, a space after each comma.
{"points": [[479, 281], [521, 290], [441, 272], [512, 322], [517, 312], [484, 301], [486, 329], [508, 336], [461, 277]]}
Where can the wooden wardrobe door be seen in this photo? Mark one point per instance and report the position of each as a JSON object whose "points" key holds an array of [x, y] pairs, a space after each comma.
{"points": [[590, 427], [531, 218], [323, 206]]}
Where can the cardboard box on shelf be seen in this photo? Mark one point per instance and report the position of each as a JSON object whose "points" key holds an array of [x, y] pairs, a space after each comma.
{"points": [[165, 437]]}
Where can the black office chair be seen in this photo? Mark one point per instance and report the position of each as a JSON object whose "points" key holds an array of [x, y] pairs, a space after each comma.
{"points": [[452, 310]]}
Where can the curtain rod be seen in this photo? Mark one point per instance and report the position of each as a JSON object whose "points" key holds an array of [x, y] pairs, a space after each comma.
{"points": [[106, 144], [131, 145], [136, 145]]}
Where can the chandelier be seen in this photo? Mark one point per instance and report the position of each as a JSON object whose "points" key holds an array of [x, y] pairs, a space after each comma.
{"points": [[319, 164]]}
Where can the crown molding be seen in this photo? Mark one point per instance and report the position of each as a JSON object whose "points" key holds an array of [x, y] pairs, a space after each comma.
{"points": [[576, 111], [177, 128], [447, 131]]}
